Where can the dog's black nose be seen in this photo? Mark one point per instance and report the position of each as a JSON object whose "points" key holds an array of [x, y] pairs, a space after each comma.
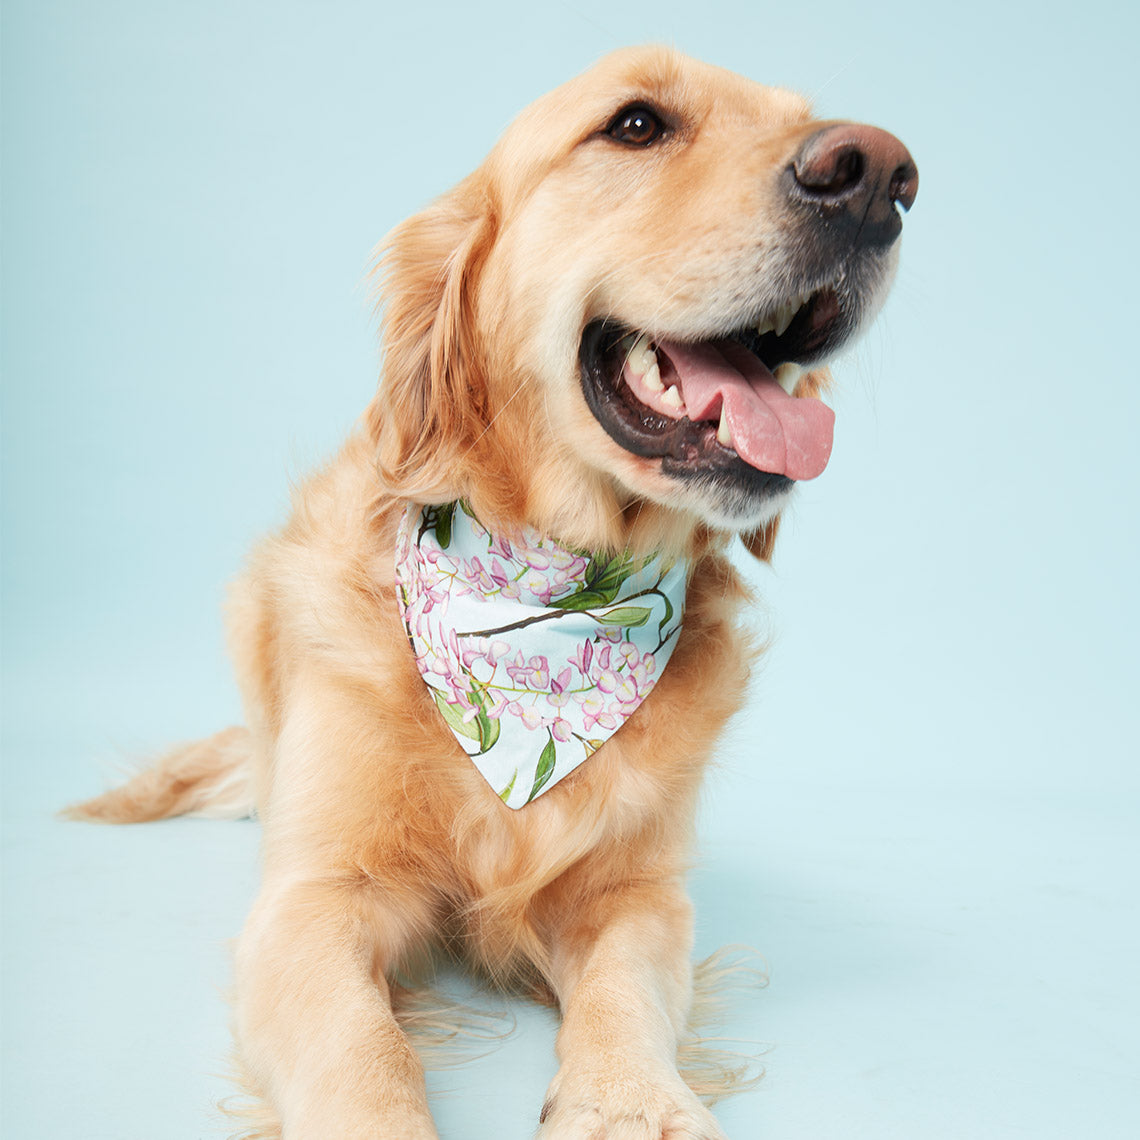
{"points": [[852, 175]]}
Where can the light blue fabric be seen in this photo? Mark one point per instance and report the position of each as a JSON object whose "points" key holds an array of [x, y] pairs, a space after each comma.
{"points": [[535, 654]]}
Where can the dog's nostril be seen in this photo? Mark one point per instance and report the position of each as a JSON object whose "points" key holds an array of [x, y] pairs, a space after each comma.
{"points": [[904, 185], [851, 177], [830, 173]]}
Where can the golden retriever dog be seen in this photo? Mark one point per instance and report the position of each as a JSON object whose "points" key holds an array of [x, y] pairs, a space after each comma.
{"points": [[610, 336]]}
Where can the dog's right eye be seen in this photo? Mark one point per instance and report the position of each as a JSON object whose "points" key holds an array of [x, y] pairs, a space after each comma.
{"points": [[636, 126]]}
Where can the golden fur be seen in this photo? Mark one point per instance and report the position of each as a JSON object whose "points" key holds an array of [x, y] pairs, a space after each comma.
{"points": [[379, 837]]}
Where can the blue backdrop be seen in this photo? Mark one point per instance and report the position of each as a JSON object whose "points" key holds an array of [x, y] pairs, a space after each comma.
{"points": [[926, 818]]}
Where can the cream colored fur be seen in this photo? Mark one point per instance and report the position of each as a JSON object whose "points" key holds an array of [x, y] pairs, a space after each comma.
{"points": [[379, 836]]}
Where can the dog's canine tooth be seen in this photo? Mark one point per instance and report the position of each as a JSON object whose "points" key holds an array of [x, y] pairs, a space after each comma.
{"points": [[723, 431], [787, 375], [641, 357], [672, 397], [767, 324], [784, 315], [652, 377]]}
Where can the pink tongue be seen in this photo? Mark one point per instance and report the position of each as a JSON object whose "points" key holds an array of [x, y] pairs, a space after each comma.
{"points": [[771, 430]]}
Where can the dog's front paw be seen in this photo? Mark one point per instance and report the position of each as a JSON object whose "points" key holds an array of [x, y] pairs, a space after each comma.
{"points": [[623, 1104]]}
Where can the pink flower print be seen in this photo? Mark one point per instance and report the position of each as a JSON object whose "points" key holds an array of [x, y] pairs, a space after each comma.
{"points": [[570, 564], [582, 657], [476, 575], [592, 706], [561, 729], [649, 662], [607, 681], [594, 712], [500, 546], [497, 706], [460, 695], [626, 692], [499, 576], [610, 633], [536, 584], [498, 573], [537, 558], [629, 651], [604, 657], [539, 673], [558, 697], [531, 718], [517, 669]]}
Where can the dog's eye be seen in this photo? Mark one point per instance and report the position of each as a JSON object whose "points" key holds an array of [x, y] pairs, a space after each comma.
{"points": [[636, 126]]}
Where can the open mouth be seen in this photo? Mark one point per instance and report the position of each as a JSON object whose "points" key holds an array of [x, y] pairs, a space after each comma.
{"points": [[723, 407]]}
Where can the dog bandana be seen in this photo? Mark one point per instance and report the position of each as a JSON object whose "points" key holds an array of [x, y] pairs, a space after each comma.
{"points": [[535, 654]]}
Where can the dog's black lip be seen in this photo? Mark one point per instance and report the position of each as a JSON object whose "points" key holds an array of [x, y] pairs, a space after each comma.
{"points": [[687, 450]]}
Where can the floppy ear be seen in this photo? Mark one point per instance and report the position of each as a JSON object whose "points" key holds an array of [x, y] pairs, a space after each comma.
{"points": [[431, 404], [762, 541]]}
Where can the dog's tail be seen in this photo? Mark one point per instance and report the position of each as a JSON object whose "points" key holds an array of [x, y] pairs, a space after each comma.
{"points": [[211, 777]]}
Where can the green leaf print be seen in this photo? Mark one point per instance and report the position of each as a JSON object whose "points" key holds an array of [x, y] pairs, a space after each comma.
{"points": [[488, 728], [583, 600], [624, 616], [603, 580], [545, 769], [443, 520], [668, 614], [480, 728], [453, 714], [505, 794]]}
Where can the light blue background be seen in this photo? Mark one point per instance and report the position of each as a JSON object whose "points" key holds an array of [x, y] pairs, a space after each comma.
{"points": [[926, 818]]}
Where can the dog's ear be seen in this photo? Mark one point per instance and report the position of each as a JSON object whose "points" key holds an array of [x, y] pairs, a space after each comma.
{"points": [[431, 404], [761, 542]]}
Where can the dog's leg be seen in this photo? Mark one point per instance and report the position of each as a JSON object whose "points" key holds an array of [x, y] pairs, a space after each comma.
{"points": [[340, 906], [314, 1022], [623, 978]]}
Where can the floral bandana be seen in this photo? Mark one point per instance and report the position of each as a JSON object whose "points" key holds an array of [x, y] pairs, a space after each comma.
{"points": [[535, 654]]}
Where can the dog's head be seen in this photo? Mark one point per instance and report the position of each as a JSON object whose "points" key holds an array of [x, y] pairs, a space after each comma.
{"points": [[614, 329]]}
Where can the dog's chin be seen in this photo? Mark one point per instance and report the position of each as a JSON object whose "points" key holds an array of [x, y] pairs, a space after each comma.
{"points": [[738, 508], [693, 453]]}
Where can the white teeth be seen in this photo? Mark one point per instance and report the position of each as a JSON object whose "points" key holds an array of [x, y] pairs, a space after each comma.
{"points": [[780, 318], [652, 378], [672, 397], [784, 315], [723, 431], [640, 357], [787, 375]]}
